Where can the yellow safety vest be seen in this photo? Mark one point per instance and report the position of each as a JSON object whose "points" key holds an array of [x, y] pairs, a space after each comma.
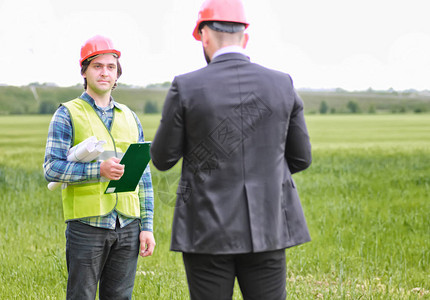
{"points": [[87, 199]]}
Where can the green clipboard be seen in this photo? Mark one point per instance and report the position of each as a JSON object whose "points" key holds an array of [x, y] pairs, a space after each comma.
{"points": [[135, 159]]}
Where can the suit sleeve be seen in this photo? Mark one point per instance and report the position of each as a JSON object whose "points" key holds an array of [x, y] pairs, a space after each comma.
{"points": [[298, 146], [167, 146]]}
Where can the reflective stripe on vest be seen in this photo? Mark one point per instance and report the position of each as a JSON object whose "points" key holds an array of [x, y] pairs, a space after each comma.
{"points": [[88, 199]]}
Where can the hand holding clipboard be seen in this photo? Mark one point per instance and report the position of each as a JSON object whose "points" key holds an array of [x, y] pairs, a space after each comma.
{"points": [[135, 160]]}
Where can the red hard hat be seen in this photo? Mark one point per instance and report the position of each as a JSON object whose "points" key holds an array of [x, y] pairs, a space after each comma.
{"points": [[97, 45], [220, 10]]}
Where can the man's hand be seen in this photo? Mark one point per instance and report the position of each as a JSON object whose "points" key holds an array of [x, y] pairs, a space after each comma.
{"points": [[147, 243], [111, 169]]}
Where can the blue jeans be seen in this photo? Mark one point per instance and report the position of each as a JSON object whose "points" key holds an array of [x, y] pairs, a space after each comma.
{"points": [[101, 255]]}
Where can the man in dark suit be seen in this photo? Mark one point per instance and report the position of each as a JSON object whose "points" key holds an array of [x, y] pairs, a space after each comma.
{"points": [[240, 130]]}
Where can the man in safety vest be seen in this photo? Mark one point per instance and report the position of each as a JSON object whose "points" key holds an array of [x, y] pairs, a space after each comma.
{"points": [[105, 232], [240, 130]]}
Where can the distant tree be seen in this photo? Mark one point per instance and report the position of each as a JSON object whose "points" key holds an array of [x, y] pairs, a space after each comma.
{"points": [[392, 91], [419, 110], [340, 90], [372, 109], [164, 85], [150, 108], [353, 107], [398, 109], [47, 107], [323, 107]]}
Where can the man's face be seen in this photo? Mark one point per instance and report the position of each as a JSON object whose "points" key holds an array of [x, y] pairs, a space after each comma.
{"points": [[101, 74]]}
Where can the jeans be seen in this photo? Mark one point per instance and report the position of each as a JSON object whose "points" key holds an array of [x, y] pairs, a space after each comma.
{"points": [[97, 255]]}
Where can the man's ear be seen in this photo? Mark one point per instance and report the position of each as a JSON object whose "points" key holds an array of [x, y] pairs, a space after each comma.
{"points": [[205, 37], [245, 40]]}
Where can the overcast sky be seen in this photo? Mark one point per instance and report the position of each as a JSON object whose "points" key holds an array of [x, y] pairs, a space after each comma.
{"points": [[322, 44]]}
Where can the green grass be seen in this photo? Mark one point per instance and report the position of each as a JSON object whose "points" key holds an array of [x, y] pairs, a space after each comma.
{"points": [[365, 197]]}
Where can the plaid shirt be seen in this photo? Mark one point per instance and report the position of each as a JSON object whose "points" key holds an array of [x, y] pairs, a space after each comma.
{"points": [[57, 168]]}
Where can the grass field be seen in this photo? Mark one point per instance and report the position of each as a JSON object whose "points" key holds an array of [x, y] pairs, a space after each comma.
{"points": [[365, 197]]}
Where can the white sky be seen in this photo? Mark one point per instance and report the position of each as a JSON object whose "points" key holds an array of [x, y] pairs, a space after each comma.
{"points": [[323, 44]]}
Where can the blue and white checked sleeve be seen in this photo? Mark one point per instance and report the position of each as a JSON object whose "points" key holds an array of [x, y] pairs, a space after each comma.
{"points": [[59, 141]]}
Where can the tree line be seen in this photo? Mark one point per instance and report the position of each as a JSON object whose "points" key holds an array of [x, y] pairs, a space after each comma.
{"points": [[44, 99]]}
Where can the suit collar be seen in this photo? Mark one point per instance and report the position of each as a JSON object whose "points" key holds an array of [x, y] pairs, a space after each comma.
{"points": [[230, 56]]}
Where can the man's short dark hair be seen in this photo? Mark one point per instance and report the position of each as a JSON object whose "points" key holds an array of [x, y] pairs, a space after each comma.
{"points": [[228, 27]]}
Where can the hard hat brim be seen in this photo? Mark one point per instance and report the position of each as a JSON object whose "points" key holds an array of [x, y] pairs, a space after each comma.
{"points": [[96, 53]]}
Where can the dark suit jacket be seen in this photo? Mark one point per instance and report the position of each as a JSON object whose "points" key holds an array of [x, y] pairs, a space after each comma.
{"points": [[241, 132]]}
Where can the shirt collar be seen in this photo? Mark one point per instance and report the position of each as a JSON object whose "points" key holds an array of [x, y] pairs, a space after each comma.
{"points": [[229, 49], [91, 101]]}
